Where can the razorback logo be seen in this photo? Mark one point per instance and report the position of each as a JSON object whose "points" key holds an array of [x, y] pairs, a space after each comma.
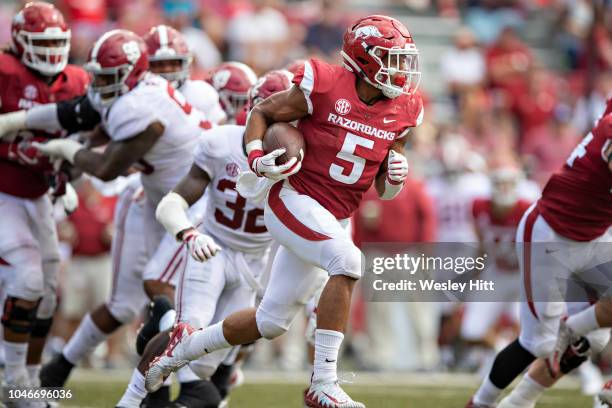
{"points": [[367, 31]]}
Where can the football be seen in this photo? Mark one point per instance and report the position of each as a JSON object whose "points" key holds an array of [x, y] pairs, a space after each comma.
{"points": [[283, 135]]}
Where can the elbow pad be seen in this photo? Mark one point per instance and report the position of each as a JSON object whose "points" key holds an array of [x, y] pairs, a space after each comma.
{"points": [[391, 190], [171, 213]]}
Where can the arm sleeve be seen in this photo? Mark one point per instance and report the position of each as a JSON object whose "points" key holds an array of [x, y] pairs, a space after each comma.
{"points": [[77, 114]]}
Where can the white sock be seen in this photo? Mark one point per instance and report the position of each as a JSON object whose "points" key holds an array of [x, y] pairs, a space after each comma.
{"points": [[135, 392], [86, 338], [186, 374], [525, 394], [33, 373], [15, 372], [583, 322], [167, 320], [206, 341], [488, 393], [327, 346]]}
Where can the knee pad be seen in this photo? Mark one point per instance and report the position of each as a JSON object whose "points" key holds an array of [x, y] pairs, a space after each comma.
{"points": [[41, 327], [270, 326], [346, 260], [17, 318]]}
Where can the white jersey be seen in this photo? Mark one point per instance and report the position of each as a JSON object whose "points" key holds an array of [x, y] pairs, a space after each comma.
{"points": [[230, 218], [170, 158], [202, 96]]}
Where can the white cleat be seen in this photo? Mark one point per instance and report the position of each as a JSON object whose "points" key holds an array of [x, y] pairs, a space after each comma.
{"points": [[170, 360], [328, 395], [565, 337], [605, 395]]}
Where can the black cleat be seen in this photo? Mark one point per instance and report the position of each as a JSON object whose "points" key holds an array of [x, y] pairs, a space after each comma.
{"points": [[155, 311], [198, 394], [221, 378], [158, 399], [56, 372]]}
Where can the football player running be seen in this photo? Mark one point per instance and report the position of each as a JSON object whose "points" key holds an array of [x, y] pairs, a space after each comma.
{"points": [[567, 232], [34, 70], [129, 253], [213, 287], [354, 121]]}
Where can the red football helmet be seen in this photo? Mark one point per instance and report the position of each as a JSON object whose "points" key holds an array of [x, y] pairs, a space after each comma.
{"points": [[165, 44], [232, 80], [381, 51], [269, 84], [117, 61], [41, 38]]}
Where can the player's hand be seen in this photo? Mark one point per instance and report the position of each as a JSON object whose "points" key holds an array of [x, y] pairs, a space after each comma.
{"points": [[59, 149], [12, 122], [267, 167], [201, 246], [397, 167]]}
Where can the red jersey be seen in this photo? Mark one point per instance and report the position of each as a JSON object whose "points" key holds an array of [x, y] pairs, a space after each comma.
{"points": [[22, 88], [91, 220], [346, 139], [577, 200], [497, 234]]}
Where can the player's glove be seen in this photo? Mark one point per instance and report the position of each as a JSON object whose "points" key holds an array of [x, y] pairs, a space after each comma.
{"points": [[266, 166], [25, 153], [397, 167], [201, 246], [70, 199], [12, 122], [60, 149]]}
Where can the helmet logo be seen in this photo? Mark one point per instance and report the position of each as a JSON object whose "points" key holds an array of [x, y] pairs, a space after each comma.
{"points": [[221, 78], [132, 51], [19, 18], [343, 106], [367, 31]]}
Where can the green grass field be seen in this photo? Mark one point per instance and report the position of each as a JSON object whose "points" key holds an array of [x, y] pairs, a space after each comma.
{"points": [[104, 389]]}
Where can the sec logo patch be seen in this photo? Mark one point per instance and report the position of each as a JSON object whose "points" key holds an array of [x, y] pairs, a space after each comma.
{"points": [[232, 169], [343, 106]]}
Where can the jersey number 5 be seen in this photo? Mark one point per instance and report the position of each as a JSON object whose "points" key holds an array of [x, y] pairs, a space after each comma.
{"points": [[347, 153], [237, 206]]}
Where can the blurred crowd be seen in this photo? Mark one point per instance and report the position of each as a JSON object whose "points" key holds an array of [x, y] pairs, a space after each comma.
{"points": [[500, 99]]}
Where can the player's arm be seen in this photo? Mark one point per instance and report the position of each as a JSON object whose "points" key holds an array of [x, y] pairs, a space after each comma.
{"points": [[393, 172], [285, 106], [117, 158], [73, 115], [171, 212]]}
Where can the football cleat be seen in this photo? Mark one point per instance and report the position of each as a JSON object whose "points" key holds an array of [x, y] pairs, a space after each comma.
{"points": [[170, 360], [155, 311], [605, 395], [472, 404], [328, 395], [565, 337]]}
